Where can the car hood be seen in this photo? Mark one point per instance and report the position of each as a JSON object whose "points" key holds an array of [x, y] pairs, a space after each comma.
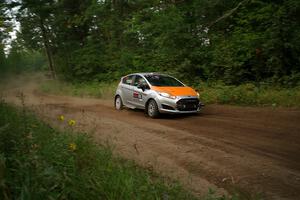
{"points": [[176, 91]]}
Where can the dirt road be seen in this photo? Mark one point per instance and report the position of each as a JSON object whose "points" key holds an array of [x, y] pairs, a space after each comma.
{"points": [[249, 150]]}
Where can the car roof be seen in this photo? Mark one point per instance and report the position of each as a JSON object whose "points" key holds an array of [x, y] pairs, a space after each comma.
{"points": [[148, 73]]}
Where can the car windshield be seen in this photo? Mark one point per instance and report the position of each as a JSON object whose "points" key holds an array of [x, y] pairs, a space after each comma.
{"points": [[163, 80]]}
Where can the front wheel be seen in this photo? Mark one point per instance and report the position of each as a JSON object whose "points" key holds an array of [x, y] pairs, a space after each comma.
{"points": [[118, 103], [152, 109]]}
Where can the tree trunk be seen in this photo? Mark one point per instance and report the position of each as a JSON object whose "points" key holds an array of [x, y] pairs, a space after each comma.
{"points": [[47, 49]]}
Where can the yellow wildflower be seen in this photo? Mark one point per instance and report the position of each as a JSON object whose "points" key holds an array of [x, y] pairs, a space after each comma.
{"points": [[72, 122], [61, 118], [72, 146]]}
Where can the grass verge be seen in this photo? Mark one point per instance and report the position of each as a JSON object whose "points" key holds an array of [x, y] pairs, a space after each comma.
{"points": [[250, 95], [246, 94], [39, 162], [90, 89]]}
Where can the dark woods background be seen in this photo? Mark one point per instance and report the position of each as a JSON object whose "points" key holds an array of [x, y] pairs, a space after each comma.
{"points": [[231, 41]]}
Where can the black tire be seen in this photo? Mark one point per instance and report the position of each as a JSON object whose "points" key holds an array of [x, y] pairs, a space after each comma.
{"points": [[118, 103], [152, 109]]}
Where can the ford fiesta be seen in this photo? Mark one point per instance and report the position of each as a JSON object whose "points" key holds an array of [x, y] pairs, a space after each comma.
{"points": [[156, 93]]}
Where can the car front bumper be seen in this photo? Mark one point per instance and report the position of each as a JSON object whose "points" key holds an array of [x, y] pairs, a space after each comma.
{"points": [[180, 105]]}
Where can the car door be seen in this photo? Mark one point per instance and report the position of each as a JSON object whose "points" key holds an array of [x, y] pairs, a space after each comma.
{"points": [[127, 89], [139, 96]]}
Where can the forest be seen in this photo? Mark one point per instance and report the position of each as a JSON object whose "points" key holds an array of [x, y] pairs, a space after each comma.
{"points": [[231, 41]]}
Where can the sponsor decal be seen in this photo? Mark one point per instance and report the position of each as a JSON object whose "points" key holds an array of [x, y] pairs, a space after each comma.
{"points": [[137, 95]]}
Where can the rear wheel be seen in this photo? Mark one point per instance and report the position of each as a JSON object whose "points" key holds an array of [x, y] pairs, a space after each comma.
{"points": [[152, 109], [118, 103]]}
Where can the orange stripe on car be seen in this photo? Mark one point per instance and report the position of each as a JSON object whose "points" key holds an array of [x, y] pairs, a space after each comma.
{"points": [[176, 91]]}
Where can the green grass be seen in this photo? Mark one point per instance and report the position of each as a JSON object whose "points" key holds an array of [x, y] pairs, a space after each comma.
{"points": [[39, 162], [91, 89], [216, 93], [250, 95]]}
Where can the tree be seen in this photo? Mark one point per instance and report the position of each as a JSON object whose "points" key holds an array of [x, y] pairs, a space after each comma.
{"points": [[235, 41], [35, 19], [2, 20], [3, 34]]}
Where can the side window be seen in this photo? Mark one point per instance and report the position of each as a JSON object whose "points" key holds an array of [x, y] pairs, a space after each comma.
{"points": [[139, 80], [128, 80]]}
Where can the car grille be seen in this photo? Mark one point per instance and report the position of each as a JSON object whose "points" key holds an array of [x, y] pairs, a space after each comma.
{"points": [[190, 104]]}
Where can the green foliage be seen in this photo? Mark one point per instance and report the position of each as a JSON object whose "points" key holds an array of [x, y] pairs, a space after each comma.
{"points": [[255, 43], [3, 60], [86, 89], [4, 25], [233, 41], [37, 162], [249, 94], [22, 61], [210, 92], [259, 43]]}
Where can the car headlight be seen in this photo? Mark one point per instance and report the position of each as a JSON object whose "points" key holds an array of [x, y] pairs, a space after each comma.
{"points": [[167, 95]]}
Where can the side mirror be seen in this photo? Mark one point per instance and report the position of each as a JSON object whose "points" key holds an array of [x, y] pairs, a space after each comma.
{"points": [[142, 86]]}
